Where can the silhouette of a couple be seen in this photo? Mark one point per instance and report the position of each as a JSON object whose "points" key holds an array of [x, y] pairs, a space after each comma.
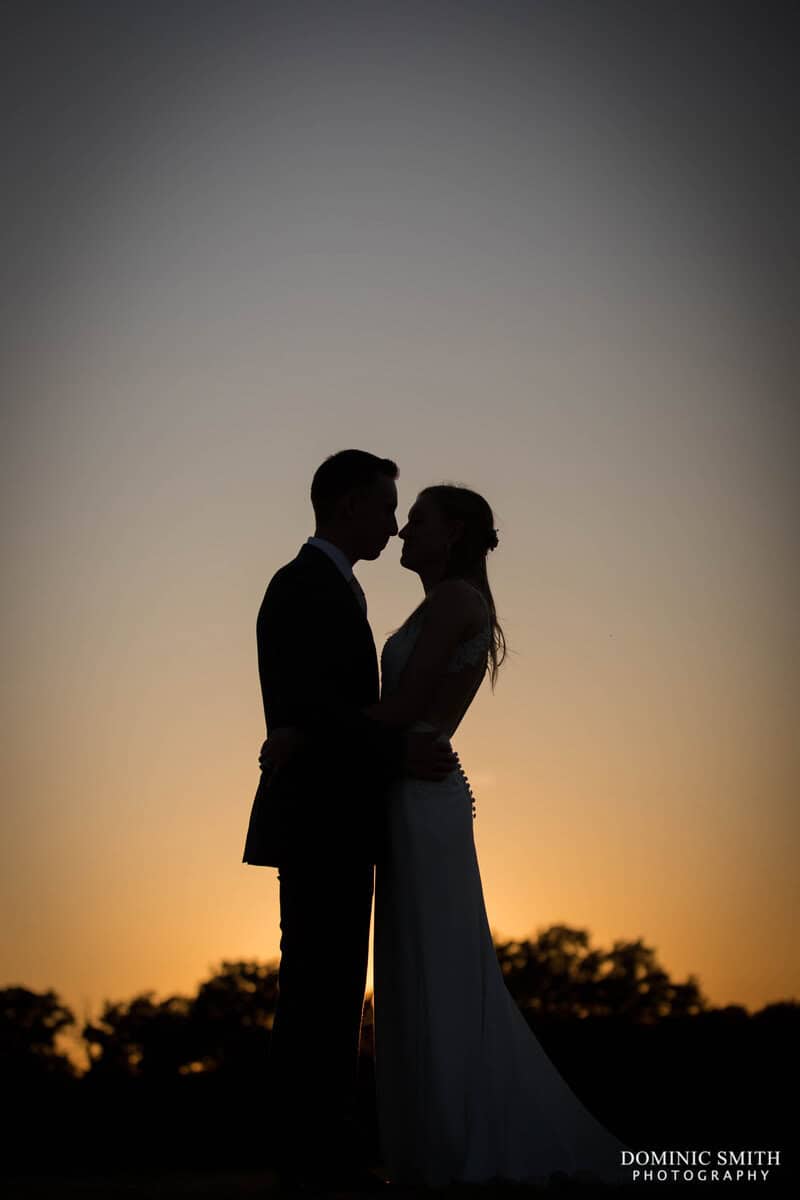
{"points": [[359, 784]]}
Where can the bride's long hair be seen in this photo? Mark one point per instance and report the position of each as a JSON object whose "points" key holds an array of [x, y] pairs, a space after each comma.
{"points": [[467, 556]]}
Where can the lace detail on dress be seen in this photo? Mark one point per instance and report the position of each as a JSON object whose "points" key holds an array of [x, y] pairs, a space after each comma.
{"points": [[469, 653]]}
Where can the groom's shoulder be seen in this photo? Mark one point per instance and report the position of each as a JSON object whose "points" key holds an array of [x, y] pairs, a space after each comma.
{"points": [[289, 570], [283, 595], [295, 576], [290, 575]]}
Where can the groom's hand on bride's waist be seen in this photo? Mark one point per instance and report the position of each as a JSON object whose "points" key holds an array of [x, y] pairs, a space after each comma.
{"points": [[428, 758], [279, 748]]}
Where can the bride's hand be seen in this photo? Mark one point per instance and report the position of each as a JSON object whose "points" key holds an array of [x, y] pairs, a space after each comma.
{"points": [[280, 747]]}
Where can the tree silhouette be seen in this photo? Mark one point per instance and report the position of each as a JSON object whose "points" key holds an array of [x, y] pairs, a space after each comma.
{"points": [[232, 1017], [185, 1080], [140, 1038], [30, 1022], [558, 975], [225, 1026], [554, 977]]}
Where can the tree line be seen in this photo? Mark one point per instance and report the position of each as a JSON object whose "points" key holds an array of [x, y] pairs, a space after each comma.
{"points": [[557, 976], [188, 1076]]}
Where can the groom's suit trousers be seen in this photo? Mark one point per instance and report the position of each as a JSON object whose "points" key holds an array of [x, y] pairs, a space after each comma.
{"points": [[321, 820], [325, 920]]}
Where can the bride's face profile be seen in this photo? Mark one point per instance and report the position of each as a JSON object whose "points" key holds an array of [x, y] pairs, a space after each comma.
{"points": [[426, 537]]}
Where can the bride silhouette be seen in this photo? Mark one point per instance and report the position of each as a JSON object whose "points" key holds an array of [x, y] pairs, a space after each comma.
{"points": [[465, 1091]]}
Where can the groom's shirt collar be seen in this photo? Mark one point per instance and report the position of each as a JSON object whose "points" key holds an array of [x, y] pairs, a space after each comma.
{"points": [[336, 555]]}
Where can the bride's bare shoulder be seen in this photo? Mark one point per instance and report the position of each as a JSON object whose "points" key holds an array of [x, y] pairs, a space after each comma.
{"points": [[461, 600]]}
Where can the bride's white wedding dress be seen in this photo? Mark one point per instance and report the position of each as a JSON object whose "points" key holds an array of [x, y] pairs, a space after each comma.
{"points": [[465, 1091]]}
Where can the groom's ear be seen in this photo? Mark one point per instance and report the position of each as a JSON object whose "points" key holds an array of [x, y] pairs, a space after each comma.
{"points": [[350, 503]]}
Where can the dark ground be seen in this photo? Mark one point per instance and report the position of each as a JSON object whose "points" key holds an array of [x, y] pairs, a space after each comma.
{"points": [[686, 1084]]}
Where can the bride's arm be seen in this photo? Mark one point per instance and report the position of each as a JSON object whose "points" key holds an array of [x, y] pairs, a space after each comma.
{"points": [[449, 612]]}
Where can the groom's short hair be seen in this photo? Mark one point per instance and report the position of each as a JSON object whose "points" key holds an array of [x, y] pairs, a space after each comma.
{"points": [[343, 472]]}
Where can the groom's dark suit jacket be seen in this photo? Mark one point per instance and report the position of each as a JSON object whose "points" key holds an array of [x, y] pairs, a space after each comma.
{"points": [[318, 668]]}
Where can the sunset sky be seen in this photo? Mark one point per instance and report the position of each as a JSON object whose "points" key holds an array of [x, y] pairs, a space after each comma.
{"points": [[547, 250]]}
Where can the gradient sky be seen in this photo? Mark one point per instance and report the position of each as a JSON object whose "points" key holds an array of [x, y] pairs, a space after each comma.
{"points": [[547, 250]]}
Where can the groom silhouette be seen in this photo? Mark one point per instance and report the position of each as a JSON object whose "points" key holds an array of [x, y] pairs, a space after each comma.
{"points": [[319, 817]]}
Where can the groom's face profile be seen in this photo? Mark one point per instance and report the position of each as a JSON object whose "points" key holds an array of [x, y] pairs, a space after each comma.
{"points": [[370, 514]]}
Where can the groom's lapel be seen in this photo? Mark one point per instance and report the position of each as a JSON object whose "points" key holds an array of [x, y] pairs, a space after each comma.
{"points": [[332, 578]]}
